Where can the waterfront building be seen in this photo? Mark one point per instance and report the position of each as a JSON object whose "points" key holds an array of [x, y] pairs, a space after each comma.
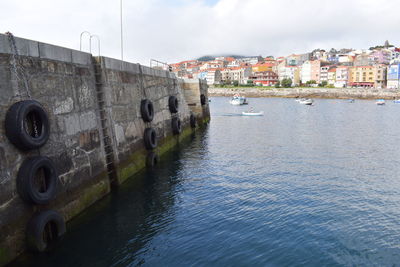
{"points": [[393, 76], [213, 76], [332, 76], [324, 73], [310, 71], [342, 76], [380, 76], [240, 74], [264, 78], [289, 72], [362, 76], [262, 67]]}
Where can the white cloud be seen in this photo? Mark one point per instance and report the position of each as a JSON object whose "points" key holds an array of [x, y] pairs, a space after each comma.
{"points": [[184, 29]]}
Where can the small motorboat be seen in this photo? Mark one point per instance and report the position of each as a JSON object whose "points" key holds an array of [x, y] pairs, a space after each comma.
{"points": [[238, 100], [307, 101], [252, 113], [397, 101], [380, 102], [350, 100]]}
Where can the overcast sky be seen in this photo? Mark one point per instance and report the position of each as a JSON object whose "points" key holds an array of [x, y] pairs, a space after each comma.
{"points": [[176, 30]]}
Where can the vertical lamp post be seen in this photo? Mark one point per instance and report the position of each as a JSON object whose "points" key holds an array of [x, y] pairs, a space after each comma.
{"points": [[122, 40]]}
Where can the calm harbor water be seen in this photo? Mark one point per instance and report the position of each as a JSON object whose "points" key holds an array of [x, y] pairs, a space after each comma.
{"points": [[301, 186]]}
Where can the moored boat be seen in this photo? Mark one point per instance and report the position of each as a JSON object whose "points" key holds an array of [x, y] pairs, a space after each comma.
{"points": [[380, 102], [238, 100], [397, 101], [252, 113], [307, 101]]}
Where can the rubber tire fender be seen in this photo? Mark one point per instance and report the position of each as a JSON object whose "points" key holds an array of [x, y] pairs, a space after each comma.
{"points": [[151, 159], [176, 126], [173, 104], [147, 110], [35, 230], [192, 121], [26, 180], [15, 127], [203, 99], [150, 138]]}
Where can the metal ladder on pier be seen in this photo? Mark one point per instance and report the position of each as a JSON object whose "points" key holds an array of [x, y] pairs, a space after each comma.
{"points": [[105, 124]]}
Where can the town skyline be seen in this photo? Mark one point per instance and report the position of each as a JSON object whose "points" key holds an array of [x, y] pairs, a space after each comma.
{"points": [[374, 67]]}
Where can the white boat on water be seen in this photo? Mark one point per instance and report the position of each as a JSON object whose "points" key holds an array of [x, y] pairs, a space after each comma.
{"points": [[397, 101], [307, 101], [251, 113], [238, 100], [380, 102]]}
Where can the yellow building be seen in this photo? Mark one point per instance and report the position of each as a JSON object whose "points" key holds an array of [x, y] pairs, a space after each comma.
{"points": [[262, 67], [362, 76]]}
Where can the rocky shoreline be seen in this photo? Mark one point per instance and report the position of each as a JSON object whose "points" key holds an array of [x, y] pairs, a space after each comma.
{"points": [[336, 93]]}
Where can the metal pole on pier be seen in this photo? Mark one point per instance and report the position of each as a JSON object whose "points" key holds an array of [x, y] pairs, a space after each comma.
{"points": [[122, 40]]}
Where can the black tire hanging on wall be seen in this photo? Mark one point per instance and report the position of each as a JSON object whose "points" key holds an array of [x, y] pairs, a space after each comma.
{"points": [[176, 126], [147, 110], [37, 180], [150, 138], [192, 121], [173, 104], [202, 99], [44, 230], [27, 125], [151, 159]]}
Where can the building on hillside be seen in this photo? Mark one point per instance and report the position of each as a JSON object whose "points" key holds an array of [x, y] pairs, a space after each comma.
{"points": [[310, 71], [381, 56], [332, 76], [319, 54], [342, 76], [362, 76], [233, 64], [395, 56], [262, 67], [345, 58], [214, 64], [252, 60], [363, 60], [393, 76], [264, 78]]}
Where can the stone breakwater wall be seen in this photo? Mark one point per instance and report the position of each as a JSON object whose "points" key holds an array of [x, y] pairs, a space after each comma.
{"points": [[308, 92], [96, 129]]}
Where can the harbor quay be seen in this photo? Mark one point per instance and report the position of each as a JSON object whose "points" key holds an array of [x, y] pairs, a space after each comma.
{"points": [[298, 92], [73, 128]]}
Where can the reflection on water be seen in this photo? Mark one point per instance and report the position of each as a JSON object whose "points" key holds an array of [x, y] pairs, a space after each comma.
{"points": [[300, 186]]}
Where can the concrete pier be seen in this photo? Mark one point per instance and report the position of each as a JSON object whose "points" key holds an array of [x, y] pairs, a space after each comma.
{"points": [[96, 129]]}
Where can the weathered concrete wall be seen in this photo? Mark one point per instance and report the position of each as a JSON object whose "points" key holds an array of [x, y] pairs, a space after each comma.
{"points": [[361, 93], [125, 86], [192, 90], [67, 83]]}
